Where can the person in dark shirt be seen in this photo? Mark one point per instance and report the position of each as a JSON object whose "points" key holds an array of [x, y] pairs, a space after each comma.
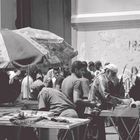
{"points": [[134, 91]]}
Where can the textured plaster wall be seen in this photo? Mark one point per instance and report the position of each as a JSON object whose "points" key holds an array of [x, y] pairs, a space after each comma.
{"points": [[117, 41], [119, 46]]}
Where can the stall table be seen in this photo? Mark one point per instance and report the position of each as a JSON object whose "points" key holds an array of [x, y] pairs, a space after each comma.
{"points": [[33, 119], [122, 111]]}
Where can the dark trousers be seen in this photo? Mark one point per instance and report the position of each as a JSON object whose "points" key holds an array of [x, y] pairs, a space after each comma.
{"points": [[96, 128], [7, 132]]}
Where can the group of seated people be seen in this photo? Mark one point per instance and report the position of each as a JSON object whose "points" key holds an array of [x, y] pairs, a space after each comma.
{"points": [[76, 90]]}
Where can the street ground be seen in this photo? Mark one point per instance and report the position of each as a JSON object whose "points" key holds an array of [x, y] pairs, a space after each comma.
{"points": [[111, 133]]}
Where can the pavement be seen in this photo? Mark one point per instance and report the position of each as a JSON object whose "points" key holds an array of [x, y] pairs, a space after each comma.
{"points": [[111, 133]]}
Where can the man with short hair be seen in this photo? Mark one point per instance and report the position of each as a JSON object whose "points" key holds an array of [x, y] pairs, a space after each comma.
{"points": [[52, 75], [72, 88]]}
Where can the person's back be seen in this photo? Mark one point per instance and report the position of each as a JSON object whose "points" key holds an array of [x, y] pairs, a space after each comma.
{"points": [[53, 100], [69, 84], [50, 99]]}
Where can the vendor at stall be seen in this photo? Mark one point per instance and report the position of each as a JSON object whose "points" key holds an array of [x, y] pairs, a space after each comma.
{"points": [[105, 90], [50, 99], [73, 90]]}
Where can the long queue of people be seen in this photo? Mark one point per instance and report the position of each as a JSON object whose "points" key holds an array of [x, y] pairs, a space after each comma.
{"points": [[68, 91]]}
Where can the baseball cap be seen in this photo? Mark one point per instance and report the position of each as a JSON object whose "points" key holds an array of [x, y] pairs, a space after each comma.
{"points": [[112, 67]]}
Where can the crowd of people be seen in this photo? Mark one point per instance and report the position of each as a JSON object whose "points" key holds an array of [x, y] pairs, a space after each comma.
{"points": [[69, 90]]}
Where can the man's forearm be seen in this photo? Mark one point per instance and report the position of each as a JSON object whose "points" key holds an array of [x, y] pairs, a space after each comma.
{"points": [[85, 103]]}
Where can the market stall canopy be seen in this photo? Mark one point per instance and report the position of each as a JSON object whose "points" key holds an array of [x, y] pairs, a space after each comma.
{"points": [[60, 50], [17, 50], [40, 34]]}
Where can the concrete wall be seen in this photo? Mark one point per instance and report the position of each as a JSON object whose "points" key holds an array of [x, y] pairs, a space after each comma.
{"points": [[8, 14], [107, 30]]}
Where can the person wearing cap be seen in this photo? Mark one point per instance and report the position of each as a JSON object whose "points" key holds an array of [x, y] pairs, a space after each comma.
{"points": [[107, 85], [104, 90]]}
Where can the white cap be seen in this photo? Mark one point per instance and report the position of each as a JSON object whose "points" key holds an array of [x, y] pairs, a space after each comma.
{"points": [[112, 67]]}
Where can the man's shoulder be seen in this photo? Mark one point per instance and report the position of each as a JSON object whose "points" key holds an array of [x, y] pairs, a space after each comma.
{"points": [[70, 78], [37, 83], [47, 91], [83, 80]]}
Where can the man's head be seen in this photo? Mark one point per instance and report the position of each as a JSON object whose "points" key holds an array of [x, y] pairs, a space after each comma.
{"points": [[56, 71], [77, 68], [98, 65], [134, 70], [84, 64], [91, 66], [111, 71], [66, 70], [84, 69]]}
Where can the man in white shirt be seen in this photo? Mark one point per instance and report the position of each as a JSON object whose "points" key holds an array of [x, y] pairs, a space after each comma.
{"points": [[25, 86]]}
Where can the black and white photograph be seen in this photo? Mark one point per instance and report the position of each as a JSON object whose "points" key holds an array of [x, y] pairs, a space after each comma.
{"points": [[69, 69]]}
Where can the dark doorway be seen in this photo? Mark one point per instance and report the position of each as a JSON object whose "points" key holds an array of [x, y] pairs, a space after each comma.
{"points": [[52, 15]]}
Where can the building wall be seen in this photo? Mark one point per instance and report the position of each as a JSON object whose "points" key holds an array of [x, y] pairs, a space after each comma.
{"points": [[8, 14], [107, 30], [100, 6]]}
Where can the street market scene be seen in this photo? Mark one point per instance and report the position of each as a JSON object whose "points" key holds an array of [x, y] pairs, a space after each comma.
{"points": [[69, 70]]}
